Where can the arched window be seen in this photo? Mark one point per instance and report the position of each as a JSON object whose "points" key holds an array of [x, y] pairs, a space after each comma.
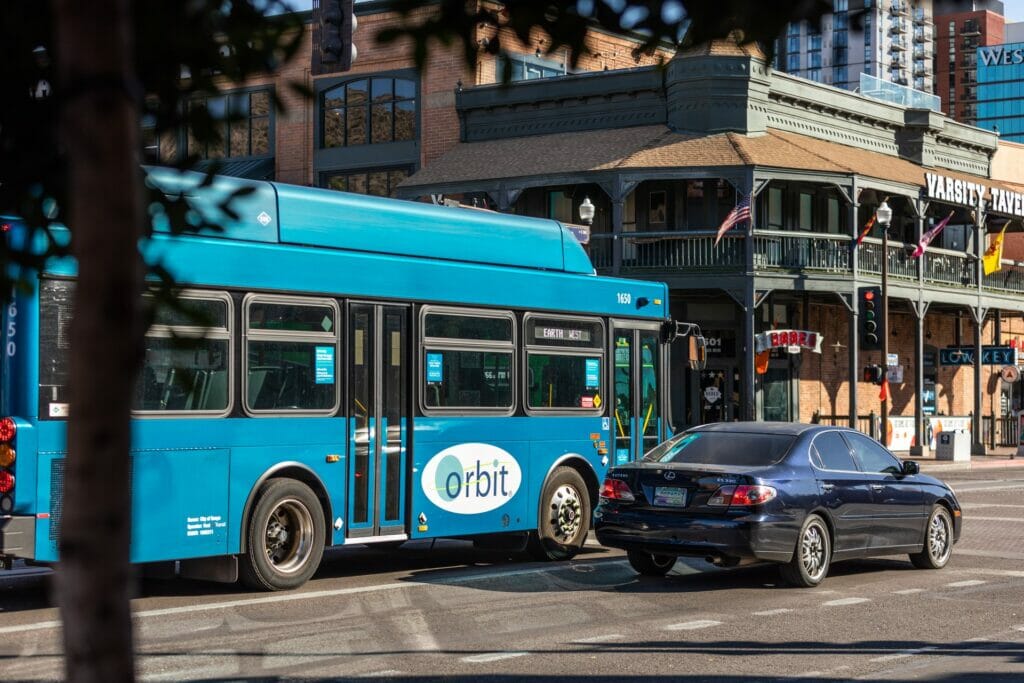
{"points": [[369, 111]]}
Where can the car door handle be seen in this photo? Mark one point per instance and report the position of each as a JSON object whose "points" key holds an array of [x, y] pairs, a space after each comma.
{"points": [[877, 487], [827, 487]]}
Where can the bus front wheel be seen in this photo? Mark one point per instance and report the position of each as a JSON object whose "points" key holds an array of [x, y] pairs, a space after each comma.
{"points": [[285, 538], [564, 517]]}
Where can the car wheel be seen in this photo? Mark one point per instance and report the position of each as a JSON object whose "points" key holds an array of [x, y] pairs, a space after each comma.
{"points": [[564, 517], [650, 564], [285, 538], [812, 555], [938, 541]]}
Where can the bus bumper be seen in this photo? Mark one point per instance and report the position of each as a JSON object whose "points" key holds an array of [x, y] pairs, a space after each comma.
{"points": [[18, 536]]}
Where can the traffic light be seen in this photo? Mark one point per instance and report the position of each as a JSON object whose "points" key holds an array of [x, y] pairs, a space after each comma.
{"points": [[336, 22], [874, 374], [872, 327]]}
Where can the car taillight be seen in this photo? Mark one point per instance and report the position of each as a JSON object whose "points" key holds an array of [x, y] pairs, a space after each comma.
{"points": [[8, 430], [6, 481], [614, 489], [742, 495]]}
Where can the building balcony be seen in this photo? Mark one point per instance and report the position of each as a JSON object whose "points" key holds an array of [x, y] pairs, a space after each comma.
{"points": [[970, 28], [897, 29], [798, 254]]}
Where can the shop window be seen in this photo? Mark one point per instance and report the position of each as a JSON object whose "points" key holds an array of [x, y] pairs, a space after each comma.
{"points": [[368, 111], [525, 68], [380, 182], [243, 120]]}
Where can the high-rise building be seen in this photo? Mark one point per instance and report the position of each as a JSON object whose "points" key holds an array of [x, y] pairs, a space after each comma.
{"points": [[960, 30], [887, 39], [1000, 90]]}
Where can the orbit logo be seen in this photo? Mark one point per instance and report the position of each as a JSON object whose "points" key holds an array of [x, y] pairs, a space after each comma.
{"points": [[470, 478]]}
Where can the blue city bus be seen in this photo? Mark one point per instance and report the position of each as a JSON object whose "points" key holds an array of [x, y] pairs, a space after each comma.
{"points": [[367, 371]]}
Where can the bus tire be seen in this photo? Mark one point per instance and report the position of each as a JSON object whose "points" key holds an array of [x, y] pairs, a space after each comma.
{"points": [[564, 517], [285, 538]]}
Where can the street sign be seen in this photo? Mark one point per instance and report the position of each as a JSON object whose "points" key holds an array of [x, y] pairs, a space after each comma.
{"points": [[1010, 374], [990, 355], [893, 359], [895, 374]]}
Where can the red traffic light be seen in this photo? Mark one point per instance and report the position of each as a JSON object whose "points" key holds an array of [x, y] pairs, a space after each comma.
{"points": [[869, 295]]}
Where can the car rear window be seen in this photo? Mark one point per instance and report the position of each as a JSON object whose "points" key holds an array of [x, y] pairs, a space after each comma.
{"points": [[741, 449]]}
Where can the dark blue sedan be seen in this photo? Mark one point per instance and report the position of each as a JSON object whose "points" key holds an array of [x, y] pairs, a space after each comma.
{"points": [[800, 495]]}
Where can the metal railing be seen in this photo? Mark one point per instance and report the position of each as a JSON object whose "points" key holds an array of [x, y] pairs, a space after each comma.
{"points": [[694, 251], [950, 268], [802, 251], [901, 266], [1000, 432]]}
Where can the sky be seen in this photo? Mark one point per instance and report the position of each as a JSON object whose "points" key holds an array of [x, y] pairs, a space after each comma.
{"points": [[1013, 10]]}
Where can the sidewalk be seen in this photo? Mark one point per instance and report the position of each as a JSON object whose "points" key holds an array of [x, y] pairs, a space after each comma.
{"points": [[996, 457]]}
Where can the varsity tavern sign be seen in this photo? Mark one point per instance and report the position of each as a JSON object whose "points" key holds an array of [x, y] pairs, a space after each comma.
{"points": [[957, 191]]}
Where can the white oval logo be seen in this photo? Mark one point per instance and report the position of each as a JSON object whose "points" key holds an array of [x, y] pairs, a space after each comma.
{"points": [[470, 478]]}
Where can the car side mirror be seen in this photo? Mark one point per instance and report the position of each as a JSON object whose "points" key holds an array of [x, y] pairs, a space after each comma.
{"points": [[910, 467]]}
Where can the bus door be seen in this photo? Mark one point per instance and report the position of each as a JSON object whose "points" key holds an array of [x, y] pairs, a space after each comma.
{"points": [[378, 420], [636, 412]]}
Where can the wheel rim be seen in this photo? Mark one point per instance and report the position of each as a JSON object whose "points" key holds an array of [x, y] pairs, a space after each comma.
{"points": [[938, 539], [566, 513], [662, 561], [288, 540], [814, 551]]}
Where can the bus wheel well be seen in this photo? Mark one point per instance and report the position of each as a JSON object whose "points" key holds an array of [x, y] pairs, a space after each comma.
{"points": [[298, 473], [584, 469]]}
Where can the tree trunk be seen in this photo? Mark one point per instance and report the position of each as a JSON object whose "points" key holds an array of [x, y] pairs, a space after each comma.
{"points": [[99, 131]]}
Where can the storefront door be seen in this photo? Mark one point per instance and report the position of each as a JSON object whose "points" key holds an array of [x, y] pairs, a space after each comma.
{"points": [[718, 392]]}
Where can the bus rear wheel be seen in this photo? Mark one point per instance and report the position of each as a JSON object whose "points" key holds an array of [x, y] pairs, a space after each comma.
{"points": [[285, 538], [564, 517]]}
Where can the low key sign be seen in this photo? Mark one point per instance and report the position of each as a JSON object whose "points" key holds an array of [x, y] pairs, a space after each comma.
{"points": [[990, 355]]}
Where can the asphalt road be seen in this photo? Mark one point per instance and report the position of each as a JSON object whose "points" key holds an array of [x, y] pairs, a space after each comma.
{"points": [[464, 615]]}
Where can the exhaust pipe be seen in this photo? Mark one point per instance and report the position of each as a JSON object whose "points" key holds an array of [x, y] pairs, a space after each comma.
{"points": [[714, 559]]}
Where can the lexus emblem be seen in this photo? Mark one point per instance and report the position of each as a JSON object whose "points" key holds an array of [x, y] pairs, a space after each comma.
{"points": [[670, 475]]}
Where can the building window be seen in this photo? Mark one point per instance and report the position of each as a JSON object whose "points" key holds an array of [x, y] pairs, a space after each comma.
{"points": [[244, 121], [368, 111], [379, 182], [525, 68], [793, 62]]}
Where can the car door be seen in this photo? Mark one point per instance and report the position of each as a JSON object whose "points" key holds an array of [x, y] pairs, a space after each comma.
{"points": [[897, 506], [843, 491]]}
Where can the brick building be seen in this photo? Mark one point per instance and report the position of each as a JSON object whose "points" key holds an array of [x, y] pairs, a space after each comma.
{"points": [[958, 35], [370, 127], [665, 155]]}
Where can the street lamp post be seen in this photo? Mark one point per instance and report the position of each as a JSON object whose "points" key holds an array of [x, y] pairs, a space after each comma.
{"points": [[587, 211], [883, 214]]}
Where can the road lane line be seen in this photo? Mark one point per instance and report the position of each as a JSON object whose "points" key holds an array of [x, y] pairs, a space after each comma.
{"points": [[598, 639], [909, 591], [845, 601], [772, 612], [37, 626], [381, 674], [492, 657], [693, 625], [965, 584], [904, 653], [973, 518]]}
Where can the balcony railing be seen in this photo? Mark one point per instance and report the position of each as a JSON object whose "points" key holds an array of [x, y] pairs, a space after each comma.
{"points": [[694, 252]]}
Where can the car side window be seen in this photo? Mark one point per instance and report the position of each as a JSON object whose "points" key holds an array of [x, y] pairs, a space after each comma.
{"points": [[871, 456], [833, 452]]}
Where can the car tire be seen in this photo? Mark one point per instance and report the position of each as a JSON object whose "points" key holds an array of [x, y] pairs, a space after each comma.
{"points": [[650, 564], [812, 554], [285, 537], [564, 517], [938, 541]]}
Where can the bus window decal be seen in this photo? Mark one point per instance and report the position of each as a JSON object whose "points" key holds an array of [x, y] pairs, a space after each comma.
{"points": [[325, 365], [435, 368]]}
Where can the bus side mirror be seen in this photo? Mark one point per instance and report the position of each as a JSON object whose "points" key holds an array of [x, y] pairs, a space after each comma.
{"points": [[698, 352]]}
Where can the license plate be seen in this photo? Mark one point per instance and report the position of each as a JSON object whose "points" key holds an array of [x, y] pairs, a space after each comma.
{"points": [[669, 495]]}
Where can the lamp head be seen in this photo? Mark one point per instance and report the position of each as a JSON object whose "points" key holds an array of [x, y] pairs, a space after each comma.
{"points": [[587, 211], [883, 213]]}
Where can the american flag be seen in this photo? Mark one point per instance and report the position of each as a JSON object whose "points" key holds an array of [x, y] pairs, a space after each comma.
{"points": [[739, 214]]}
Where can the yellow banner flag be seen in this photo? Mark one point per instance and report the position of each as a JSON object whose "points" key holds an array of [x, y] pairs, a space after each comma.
{"points": [[993, 258]]}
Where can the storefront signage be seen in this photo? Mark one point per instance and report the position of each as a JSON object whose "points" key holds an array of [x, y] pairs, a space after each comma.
{"points": [[990, 355], [792, 340], [721, 343], [900, 432], [1000, 56], [957, 191]]}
